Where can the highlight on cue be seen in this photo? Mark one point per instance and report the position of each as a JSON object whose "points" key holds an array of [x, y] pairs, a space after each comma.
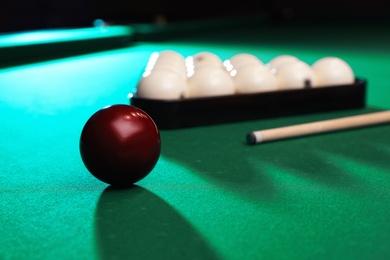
{"points": [[325, 126]]}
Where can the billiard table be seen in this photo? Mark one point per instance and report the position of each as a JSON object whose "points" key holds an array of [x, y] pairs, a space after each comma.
{"points": [[210, 195]]}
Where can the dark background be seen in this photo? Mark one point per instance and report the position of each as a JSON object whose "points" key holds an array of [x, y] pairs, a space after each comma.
{"points": [[21, 15]]}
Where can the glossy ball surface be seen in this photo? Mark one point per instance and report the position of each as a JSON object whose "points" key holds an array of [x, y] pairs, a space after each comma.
{"points": [[120, 144], [209, 82], [296, 75], [161, 84], [280, 60], [243, 59], [255, 79], [333, 71]]}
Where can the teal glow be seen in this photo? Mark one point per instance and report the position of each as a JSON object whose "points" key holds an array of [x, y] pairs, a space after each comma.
{"points": [[64, 84], [53, 36]]}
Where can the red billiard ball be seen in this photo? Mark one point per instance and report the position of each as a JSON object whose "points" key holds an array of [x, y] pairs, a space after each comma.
{"points": [[120, 144]]}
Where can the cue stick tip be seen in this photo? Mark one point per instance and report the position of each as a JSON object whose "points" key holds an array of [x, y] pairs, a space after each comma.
{"points": [[251, 138]]}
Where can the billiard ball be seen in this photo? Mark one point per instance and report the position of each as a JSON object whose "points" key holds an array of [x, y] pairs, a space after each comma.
{"points": [[206, 56], [162, 84], [205, 59], [333, 71], [254, 79], [242, 59], [280, 60], [170, 55], [178, 68], [166, 60], [296, 75], [210, 81], [120, 145]]}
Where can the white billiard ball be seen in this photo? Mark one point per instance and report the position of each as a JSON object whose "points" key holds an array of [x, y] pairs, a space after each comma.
{"points": [[205, 59], [161, 84], [167, 57], [333, 71], [242, 59], [173, 62], [295, 75], [166, 60], [210, 81], [254, 78], [176, 67], [170, 55], [280, 60], [206, 56]]}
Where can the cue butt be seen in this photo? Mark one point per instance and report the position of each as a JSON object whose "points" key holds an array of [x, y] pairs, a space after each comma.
{"points": [[272, 134]]}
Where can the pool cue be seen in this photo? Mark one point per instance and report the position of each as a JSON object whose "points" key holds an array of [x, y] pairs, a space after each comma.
{"points": [[279, 133]]}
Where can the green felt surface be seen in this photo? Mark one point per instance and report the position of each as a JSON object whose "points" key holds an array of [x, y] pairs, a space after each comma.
{"points": [[210, 196]]}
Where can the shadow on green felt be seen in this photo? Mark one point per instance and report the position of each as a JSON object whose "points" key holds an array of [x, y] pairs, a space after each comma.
{"points": [[134, 223], [219, 154]]}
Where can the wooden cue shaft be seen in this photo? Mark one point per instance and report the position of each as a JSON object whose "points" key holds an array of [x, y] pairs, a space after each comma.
{"points": [[262, 136]]}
